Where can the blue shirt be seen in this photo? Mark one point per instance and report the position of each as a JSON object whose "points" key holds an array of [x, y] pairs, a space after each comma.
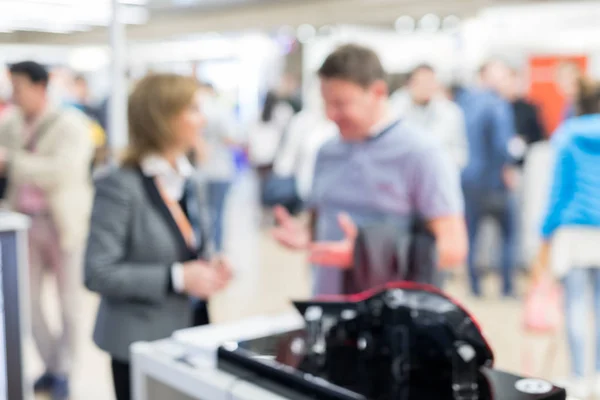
{"points": [[391, 178], [575, 194], [490, 127]]}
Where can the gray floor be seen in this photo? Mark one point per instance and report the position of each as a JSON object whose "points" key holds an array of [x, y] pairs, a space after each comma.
{"points": [[267, 277]]}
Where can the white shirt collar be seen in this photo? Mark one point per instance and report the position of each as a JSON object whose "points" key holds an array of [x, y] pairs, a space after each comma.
{"points": [[172, 180]]}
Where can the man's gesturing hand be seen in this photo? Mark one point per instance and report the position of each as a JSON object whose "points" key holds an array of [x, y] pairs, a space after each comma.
{"points": [[289, 232], [336, 254]]}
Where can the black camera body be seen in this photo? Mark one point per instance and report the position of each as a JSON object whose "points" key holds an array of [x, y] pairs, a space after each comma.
{"points": [[404, 341], [386, 343]]}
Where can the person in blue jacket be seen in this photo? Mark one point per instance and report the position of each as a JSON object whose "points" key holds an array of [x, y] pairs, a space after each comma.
{"points": [[571, 230], [488, 179]]}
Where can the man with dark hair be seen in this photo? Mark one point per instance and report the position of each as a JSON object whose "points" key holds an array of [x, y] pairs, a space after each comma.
{"points": [[528, 124], [379, 170], [45, 153], [36, 73], [424, 67], [489, 178]]}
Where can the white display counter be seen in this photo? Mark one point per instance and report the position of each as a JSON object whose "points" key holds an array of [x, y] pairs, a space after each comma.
{"points": [[157, 374], [184, 366]]}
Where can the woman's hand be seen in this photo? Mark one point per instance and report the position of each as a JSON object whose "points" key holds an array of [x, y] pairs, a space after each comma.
{"points": [[222, 264], [203, 280]]}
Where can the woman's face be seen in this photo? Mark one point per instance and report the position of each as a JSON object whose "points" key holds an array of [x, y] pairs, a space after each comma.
{"points": [[187, 126]]}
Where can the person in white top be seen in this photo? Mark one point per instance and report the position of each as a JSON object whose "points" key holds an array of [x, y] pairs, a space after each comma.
{"points": [[307, 132], [265, 136], [423, 104]]}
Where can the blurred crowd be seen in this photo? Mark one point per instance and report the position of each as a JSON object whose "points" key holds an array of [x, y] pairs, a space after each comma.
{"points": [[144, 226]]}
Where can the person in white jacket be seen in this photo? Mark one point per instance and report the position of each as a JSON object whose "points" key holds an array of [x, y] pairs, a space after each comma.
{"points": [[423, 104]]}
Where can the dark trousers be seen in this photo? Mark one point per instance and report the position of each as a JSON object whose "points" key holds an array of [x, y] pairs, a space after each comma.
{"points": [[502, 208], [121, 370], [121, 379]]}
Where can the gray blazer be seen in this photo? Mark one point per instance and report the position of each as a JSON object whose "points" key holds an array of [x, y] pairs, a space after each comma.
{"points": [[132, 244]]}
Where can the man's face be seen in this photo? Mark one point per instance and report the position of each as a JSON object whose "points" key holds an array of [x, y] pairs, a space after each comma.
{"points": [[80, 91], [353, 108], [498, 76], [26, 94], [423, 86], [566, 79], [517, 86]]}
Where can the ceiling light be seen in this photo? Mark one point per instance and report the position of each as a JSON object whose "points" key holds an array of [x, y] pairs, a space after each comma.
{"points": [[286, 30], [87, 2], [429, 23], [88, 59], [450, 22], [405, 24], [326, 30], [48, 14], [305, 33]]}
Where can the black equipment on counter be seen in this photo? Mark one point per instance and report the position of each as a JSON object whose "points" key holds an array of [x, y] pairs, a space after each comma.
{"points": [[403, 342]]}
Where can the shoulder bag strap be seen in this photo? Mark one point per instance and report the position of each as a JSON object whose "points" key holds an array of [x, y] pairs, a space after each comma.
{"points": [[41, 130]]}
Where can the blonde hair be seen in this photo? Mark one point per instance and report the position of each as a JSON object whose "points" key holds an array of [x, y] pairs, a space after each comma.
{"points": [[154, 102]]}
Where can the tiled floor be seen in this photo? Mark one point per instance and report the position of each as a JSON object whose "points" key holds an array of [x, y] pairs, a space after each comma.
{"points": [[268, 277]]}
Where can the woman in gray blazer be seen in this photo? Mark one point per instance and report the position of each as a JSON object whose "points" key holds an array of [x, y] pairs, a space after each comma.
{"points": [[148, 248]]}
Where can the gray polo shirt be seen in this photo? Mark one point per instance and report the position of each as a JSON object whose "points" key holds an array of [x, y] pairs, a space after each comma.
{"points": [[389, 178]]}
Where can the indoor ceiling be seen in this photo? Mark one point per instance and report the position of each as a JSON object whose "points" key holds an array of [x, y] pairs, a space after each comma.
{"points": [[203, 4], [172, 18]]}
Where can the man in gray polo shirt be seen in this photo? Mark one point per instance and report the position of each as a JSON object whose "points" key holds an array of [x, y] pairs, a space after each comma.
{"points": [[379, 170]]}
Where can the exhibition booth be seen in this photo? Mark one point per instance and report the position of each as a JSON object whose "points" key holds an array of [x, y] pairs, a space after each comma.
{"points": [[309, 354], [403, 341]]}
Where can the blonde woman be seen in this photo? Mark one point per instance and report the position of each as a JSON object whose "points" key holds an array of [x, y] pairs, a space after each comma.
{"points": [[148, 249]]}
